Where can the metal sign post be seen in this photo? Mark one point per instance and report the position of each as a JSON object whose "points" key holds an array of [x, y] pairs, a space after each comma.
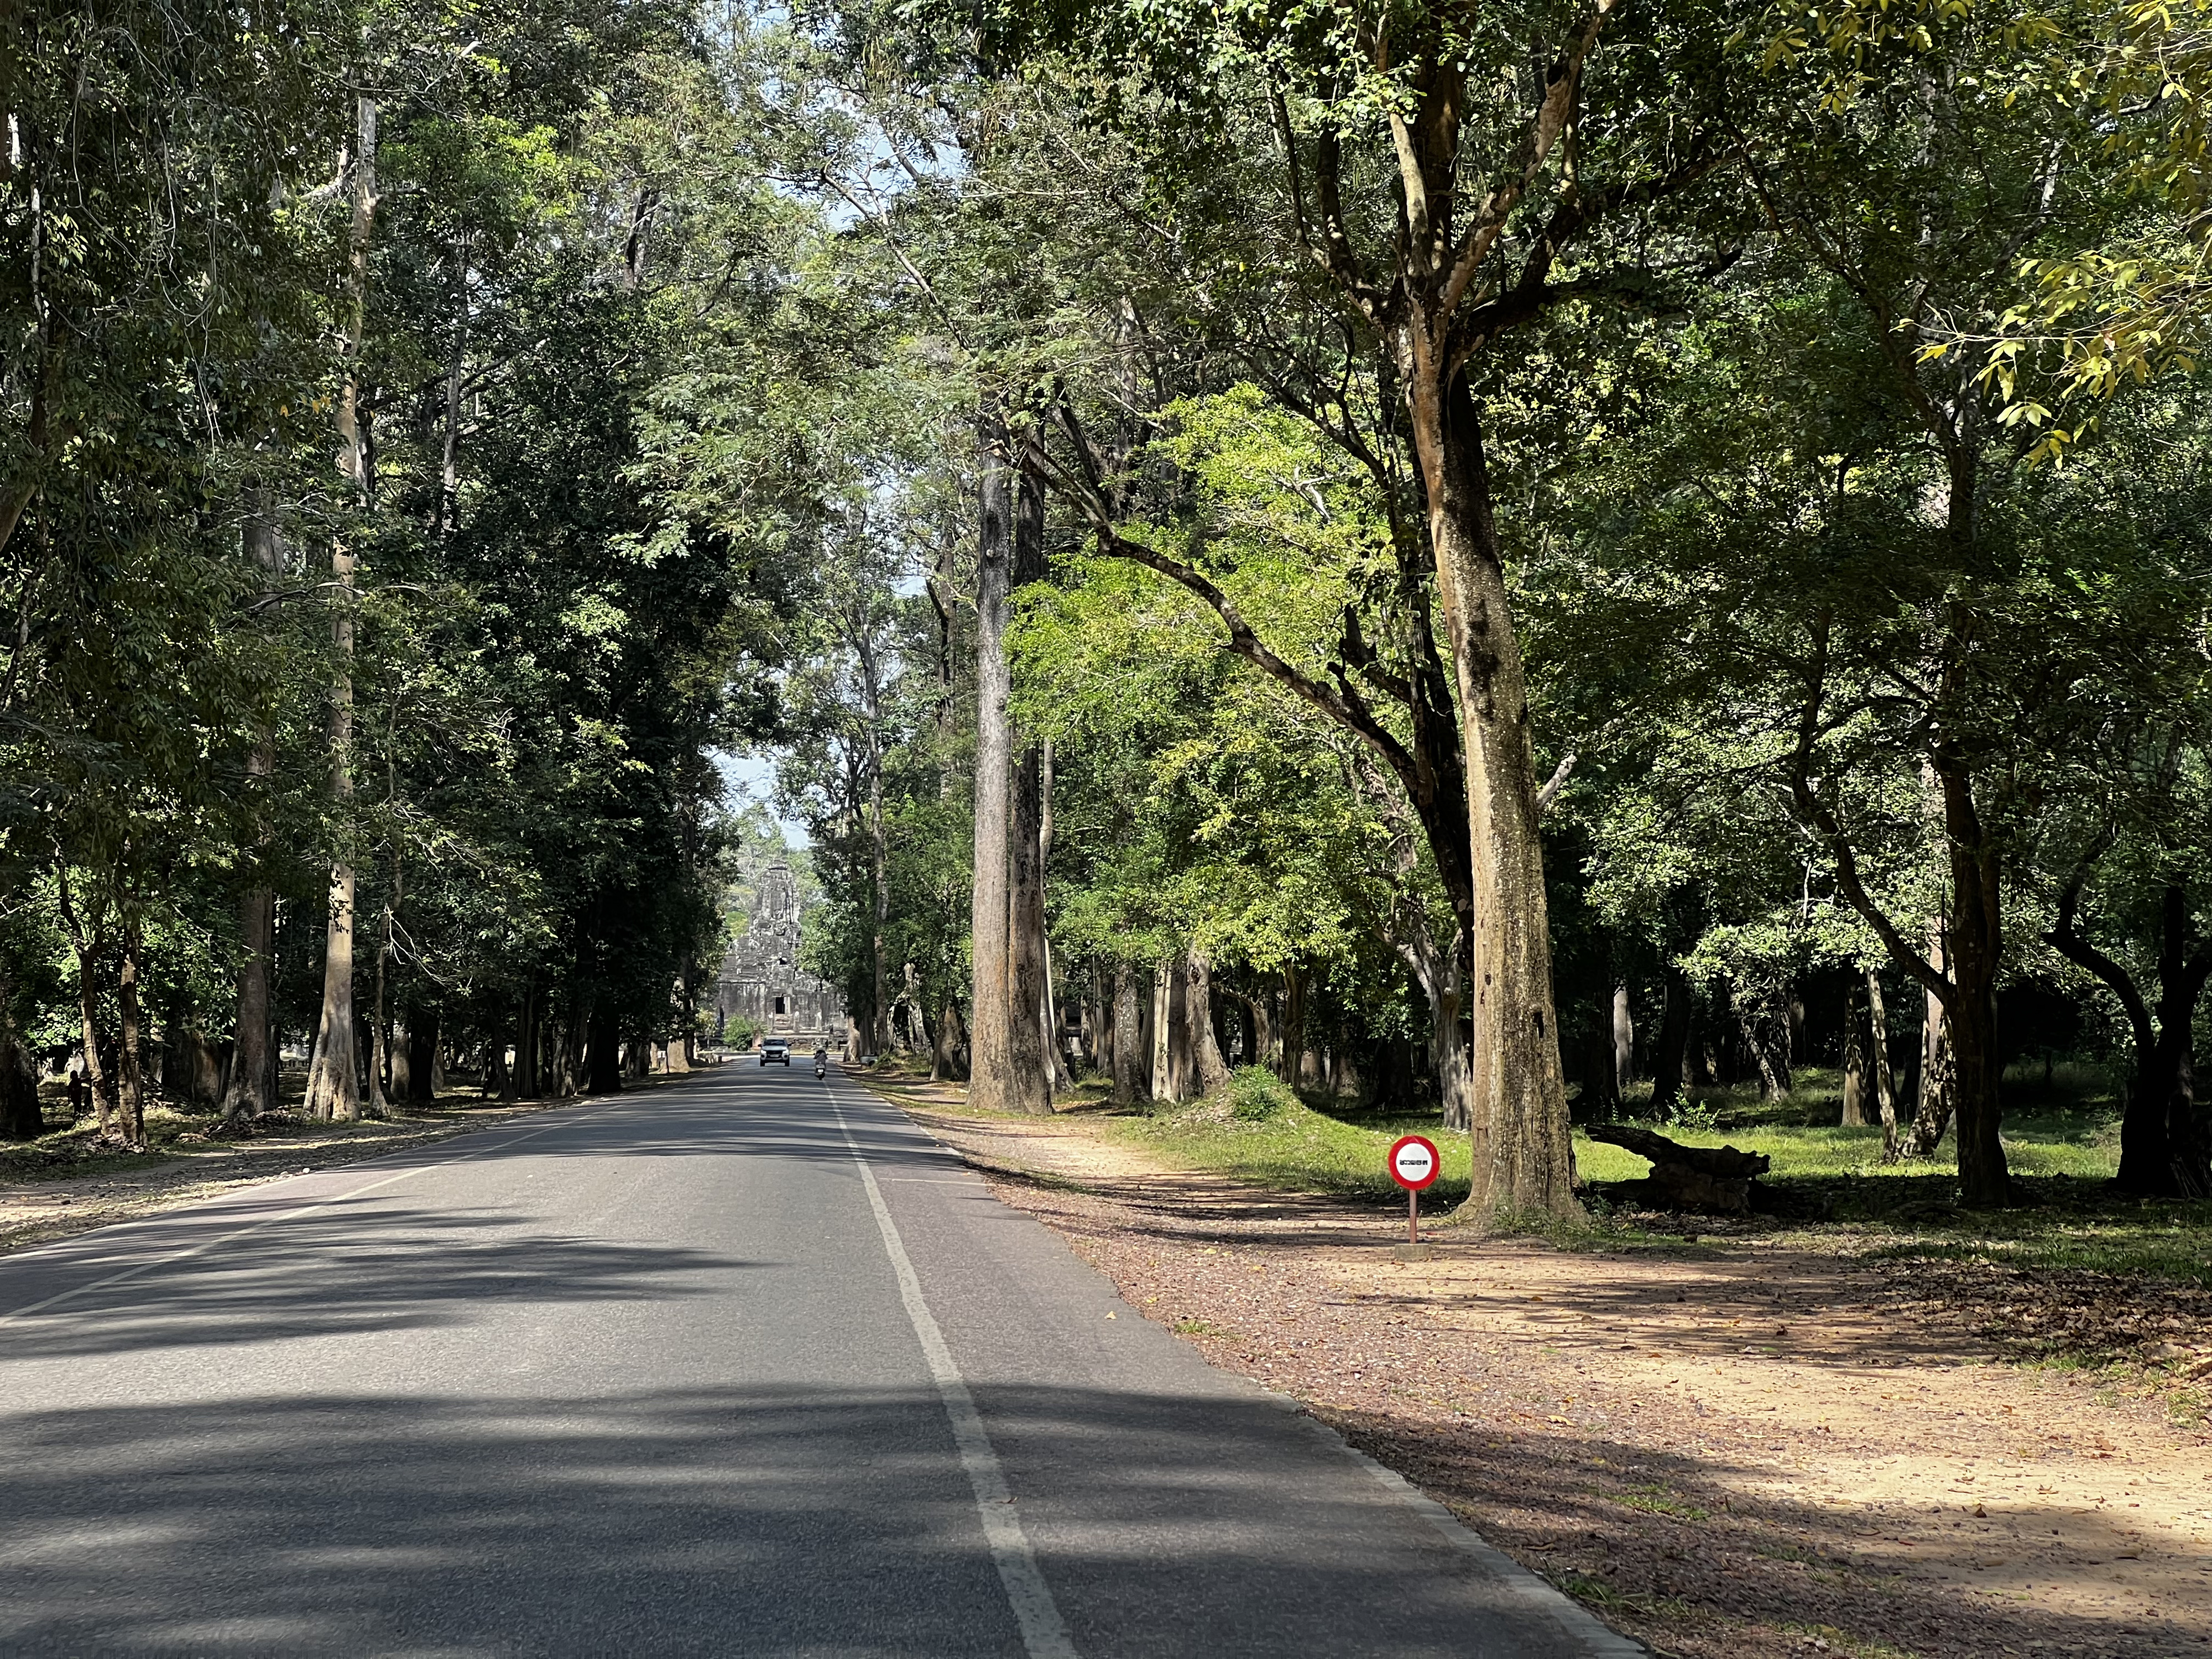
{"points": [[1415, 1165]]}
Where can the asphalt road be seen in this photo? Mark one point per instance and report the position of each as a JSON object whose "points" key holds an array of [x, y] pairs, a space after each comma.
{"points": [[743, 1365]]}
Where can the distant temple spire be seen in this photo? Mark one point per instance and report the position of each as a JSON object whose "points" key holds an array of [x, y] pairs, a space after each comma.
{"points": [[761, 979]]}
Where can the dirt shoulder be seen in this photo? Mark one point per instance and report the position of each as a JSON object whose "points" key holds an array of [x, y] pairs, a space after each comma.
{"points": [[1738, 1449]]}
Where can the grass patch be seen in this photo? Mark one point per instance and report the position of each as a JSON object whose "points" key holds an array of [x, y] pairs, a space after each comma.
{"points": [[1588, 1588], [2064, 1149], [1658, 1500], [1294, 1147], [2062, 1156]]}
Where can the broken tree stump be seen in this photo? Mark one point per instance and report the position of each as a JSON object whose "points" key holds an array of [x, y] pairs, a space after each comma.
{"points": [[1717, 1179]]}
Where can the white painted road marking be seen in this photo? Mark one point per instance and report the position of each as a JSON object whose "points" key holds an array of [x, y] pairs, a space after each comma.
{"points": [[1044, 1632]]}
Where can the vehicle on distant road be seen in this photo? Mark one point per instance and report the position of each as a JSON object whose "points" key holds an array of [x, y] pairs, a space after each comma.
{"points": [[777, 1051]]}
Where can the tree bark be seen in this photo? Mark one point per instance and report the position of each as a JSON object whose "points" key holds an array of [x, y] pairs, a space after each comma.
{"points": [[1600, 1098], [880, 1034], [21, 1117], [1058, 1077], [378, 1040], [1770, 1082], [130, 1095], [992, 1085], [1523, 1153], [1266, 1043], [247, 1092], [2163, 1143], [1162, 1085], [946, 1059], [1855, 1067], [86, 946], [1885, 1086], [526, 1041], [1212, 1071], [1031, 1067], [1128, 1024], [602, 1051], [1183, 1064], [333, 1082], [1670, 1059], [1624, 1041], [421, 1054]]}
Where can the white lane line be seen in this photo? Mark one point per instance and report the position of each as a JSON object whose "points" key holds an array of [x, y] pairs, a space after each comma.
{"points": [[186, 1255], [1044, 1632]]}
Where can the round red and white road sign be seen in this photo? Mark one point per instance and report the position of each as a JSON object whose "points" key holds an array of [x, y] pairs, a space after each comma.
{"points": [[1413, 1162]]}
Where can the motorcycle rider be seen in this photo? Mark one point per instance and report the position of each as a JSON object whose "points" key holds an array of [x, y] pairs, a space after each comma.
{"points": [[822, 1060]]}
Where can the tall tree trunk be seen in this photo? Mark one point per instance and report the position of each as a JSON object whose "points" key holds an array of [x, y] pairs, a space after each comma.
{"points": [[603, 1050], [1855, 1066], [1294, 1030], [247, 1092], [1885, 1084], [378, 1040], [1182, 1063], [1624, 1041], [421, 1054], [992, 1085], [21, 1117], [1600, 1098], [1936, 1094], [1162, 1088], [131, 1095], [86, 946], [1670, 1057], [1211, 1070], [333, 1081], [879, 1022], [1128, 1024], [942, 599], [950, 1059], [1055, 1050], [1523, 1151], [449, 470], [527, 1040], [2163, 1142], [1747, 1021], [1031, 1069]]}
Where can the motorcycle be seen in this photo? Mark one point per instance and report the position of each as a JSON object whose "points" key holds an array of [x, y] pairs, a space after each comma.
{"points": [[821, 1068]]}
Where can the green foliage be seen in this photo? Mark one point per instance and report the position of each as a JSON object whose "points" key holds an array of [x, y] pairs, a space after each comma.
{"points": [[1256, 1094]]}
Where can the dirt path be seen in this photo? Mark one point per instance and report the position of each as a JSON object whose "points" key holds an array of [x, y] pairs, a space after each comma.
{"points": [[1728, 1451]]}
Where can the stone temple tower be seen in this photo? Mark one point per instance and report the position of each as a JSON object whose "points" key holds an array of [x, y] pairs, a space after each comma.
{"points": [[761, 979]]}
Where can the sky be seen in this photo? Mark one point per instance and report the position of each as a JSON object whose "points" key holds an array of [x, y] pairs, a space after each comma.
{"points": [[755, 775]]}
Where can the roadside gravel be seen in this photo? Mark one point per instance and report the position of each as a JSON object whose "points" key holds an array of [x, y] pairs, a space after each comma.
{"points": [[1729, 1449]]}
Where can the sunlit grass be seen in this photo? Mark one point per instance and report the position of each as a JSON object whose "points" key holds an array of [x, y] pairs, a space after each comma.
{"points": [[1840, 1194], [1299, 1150]]}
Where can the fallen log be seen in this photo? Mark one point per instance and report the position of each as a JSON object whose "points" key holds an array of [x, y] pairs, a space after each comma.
{"points": [[1715, 1179]]}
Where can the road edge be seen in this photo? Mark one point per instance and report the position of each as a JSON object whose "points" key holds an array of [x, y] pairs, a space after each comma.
{"points": [[1575, 1622]]}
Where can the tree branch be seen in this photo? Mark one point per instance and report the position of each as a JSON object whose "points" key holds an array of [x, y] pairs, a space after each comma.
{"points": [[1815, 815]]}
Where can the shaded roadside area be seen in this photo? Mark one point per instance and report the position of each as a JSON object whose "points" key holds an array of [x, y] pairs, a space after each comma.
{"points": [[1733, 1451], [56, 1188]]}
